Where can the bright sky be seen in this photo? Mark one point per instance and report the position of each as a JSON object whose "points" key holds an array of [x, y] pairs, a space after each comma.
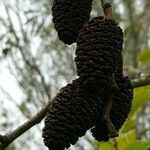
{"points": [[8, 82]]}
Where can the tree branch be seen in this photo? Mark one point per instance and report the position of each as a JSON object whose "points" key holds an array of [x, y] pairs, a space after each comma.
{"points": [[136, 83], [6, 140], [106, 4]]}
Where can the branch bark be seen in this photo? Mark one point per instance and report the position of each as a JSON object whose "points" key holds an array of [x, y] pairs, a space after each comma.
{"points": [[136, 83], [106, 4], [6, 140]]}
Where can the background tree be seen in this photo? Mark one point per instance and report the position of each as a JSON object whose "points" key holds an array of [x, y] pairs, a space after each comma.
{"points": [[35, 64]]}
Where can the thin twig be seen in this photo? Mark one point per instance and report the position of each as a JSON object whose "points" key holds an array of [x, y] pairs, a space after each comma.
{"points": [[6, 140], [136, 83], [107, 8]]}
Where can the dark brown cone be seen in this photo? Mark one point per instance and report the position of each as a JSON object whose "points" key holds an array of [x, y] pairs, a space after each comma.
{"points": [[69, 17], [98, 53], [72, 112], [120, 109]]}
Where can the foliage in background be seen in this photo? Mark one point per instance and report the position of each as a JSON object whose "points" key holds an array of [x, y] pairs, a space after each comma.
{"points": [[144, 56], [37, 64]]}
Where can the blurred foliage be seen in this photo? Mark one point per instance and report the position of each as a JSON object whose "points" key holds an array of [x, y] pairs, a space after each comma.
{"points": [[144, 56], [138, 145], [41, 64]]}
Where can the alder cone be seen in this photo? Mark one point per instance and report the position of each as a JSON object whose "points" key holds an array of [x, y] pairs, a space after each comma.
{"points": [[120, 108], [98, 53], [72, 112], [69, 17]]}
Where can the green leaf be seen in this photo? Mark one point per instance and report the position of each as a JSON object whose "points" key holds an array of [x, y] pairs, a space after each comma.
{"points": [[106, 146], [119, 143], [144, 56], [125, 139], [141, 95], [138, 145], [128, 125]]}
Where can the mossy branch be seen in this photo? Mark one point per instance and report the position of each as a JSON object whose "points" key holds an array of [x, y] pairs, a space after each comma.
{"points": [[6, 140]]}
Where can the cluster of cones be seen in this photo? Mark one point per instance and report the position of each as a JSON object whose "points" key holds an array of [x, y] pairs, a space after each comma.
{"points": [[100, 99]]}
